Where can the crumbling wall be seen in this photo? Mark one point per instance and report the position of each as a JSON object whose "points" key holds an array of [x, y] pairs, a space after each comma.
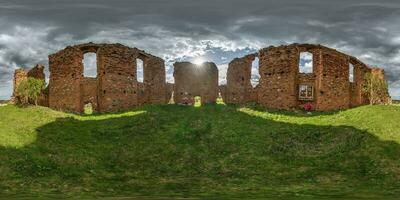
{"points": [[238, 88], [154, 83], [89, 92], [117, 79], [333, 81], [384, 97], [115, 87], [66, 75], [278, 75], [280, 78], [19, 76], [37, 72], [195, 80], [223, 92], [357, 97]]}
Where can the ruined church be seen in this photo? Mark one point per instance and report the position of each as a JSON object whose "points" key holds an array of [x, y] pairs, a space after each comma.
{"points": [[333, 82]]}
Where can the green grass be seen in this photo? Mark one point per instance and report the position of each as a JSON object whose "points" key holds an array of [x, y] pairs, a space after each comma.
{"points": [[211, 151]]}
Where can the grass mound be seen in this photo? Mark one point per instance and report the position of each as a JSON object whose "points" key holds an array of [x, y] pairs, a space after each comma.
{"points": [[206, 151]]}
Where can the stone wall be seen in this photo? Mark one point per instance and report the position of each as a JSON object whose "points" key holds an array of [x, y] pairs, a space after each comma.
{"points": [[357, 97], [385, 97], [66, 75], [280, 78], [89, 92], [238, 88], [118, 87], [36, 72], [115, 87], [195, 80], [19, 76], [154, 83]]}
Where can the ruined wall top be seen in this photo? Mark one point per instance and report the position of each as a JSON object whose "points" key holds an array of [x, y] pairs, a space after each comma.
{"points": [[311, 47], [91, 47]]}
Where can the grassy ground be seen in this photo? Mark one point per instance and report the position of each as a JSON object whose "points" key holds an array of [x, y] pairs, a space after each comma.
{"points": [[202, 151]]}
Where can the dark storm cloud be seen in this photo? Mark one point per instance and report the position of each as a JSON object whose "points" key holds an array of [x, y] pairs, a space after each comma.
{"points": [[215, 29]]}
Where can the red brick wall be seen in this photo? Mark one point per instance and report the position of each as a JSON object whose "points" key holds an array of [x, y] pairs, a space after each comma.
{"points": [[118, 89], [238, 88], [89, 92], [154, 79], [66, 75], [195, 80], [19, 76], [333, 88], [278, 75], [116, 86], [280, 78]]}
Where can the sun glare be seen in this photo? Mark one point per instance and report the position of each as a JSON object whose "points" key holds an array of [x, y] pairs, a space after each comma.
{"points": [[198, 61]]}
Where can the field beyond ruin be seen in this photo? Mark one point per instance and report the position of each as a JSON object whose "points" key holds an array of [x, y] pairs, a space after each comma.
{"points": [[201, 151]]}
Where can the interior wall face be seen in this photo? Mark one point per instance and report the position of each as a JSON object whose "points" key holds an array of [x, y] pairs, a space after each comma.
{"points": [[19, 76], [195, 80], [154, 80], [278, 75], [238, 89], [384, 98], [333, 90], [89, 92], [66, 74], [118, 86], [356, 96]]}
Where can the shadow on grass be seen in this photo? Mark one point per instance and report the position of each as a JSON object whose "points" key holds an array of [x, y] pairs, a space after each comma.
{"points": [[295, 113], [208, 151]]}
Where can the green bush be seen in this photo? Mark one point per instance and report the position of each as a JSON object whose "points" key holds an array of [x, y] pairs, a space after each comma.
{"points": [[28, 90]]}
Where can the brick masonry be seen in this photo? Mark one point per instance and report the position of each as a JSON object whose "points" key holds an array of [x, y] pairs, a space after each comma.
{"points": [[195, 80], [238, 89], [116, 86], [36, 72]]}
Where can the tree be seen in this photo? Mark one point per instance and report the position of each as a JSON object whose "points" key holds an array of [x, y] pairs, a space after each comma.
{"points": [[374, 88], [28, 90]]}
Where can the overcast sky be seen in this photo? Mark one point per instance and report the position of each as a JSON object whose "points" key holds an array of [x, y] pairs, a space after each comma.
{"points": [[213, 30]]}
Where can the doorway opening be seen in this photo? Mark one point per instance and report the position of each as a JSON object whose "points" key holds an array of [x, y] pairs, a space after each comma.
{"points": [[88, 109], [197, 101]]}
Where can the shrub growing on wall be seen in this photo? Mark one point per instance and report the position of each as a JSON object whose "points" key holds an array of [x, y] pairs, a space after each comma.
{"points": [[374, 87], [28, 90]]}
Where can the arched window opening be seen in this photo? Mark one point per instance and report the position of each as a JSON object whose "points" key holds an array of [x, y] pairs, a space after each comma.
{"points": [[139, 70], [255, 73], [306, 63], [90, 65], [351, 73]]}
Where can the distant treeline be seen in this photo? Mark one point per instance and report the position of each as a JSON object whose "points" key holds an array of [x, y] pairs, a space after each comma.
{"points": [[4, 101]]}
